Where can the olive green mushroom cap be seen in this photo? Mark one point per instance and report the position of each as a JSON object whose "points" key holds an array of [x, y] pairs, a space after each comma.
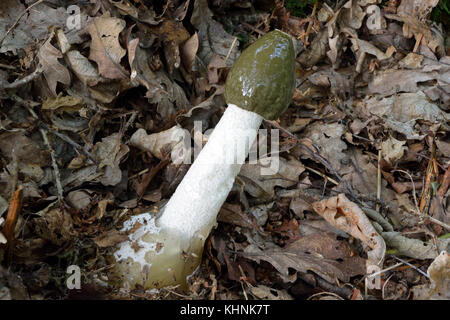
{"points": [[262, 79]]}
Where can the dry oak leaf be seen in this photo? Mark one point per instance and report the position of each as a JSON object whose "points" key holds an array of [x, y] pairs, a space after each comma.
{"points": [[53, 70], [105, 46], [347, 216], [392, 149], [323, 254]]}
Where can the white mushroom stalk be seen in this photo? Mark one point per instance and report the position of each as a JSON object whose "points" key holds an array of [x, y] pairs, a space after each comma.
{"points": [[165, 251]]}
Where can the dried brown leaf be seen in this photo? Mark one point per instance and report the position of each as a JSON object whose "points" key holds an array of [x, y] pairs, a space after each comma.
{"points": [[105, 46], [53, 71], [347, 216]]}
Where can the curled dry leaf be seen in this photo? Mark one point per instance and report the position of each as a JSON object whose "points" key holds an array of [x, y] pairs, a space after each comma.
{"points": [[326, 138], [316, 51], [66, 103], [265, 293], [212, 37], [171, 140], [347, 216], [414, 248], [55, 225], [188, 51], [392, 149], [403, 110], [53, 71], [214, 65], [83, 68], [439, 272], [322, 254], [110, 152], [261, 179], [31, 27], [105, 46], [352, 15], [439, 286]]}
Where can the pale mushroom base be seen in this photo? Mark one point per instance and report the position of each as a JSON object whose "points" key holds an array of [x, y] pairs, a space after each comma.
{"points": [[156, 257], [165, 252]]}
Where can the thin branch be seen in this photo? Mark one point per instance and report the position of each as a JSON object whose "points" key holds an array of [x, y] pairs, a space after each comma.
{"points": [[43, 132], [411, 265], [18, 19], [18, 83]]}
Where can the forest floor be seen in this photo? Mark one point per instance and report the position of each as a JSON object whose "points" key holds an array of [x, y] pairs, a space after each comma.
{"points": [[363, 185]]}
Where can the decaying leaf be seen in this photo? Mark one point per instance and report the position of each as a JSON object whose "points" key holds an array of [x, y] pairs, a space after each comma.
{"points": [[347, 216], [401, 112], [324, 255], [83, 68], [55, 225], [392, 149], [53, 71], [105, 47], [414, 248], [261, 179], [393, 81], [110, 239], [79, 199], [439, 286], [24, 149], [212, 38], [110, 152], [326, 138], [31, 27], [265, 293], [62, 102], [162, 143]]}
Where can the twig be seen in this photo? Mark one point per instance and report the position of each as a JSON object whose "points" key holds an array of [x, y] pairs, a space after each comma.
{"points": [[18, 83], [54, 165], [18, 19], [43, 132], [413, 186], [378, 181], [310, 24], [11, 220], [442, 224], [7, 66], [231, 49], [68, 140], [411, 265], [418, 41], [384, 270], [323, 175], [245, 24]]}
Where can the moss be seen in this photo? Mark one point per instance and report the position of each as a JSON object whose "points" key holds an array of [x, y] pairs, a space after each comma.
{"points": [[441, 13], [300, 8]]}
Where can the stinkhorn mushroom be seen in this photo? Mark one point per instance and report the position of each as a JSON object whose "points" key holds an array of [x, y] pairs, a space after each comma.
{"points": [[166, 250]]}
